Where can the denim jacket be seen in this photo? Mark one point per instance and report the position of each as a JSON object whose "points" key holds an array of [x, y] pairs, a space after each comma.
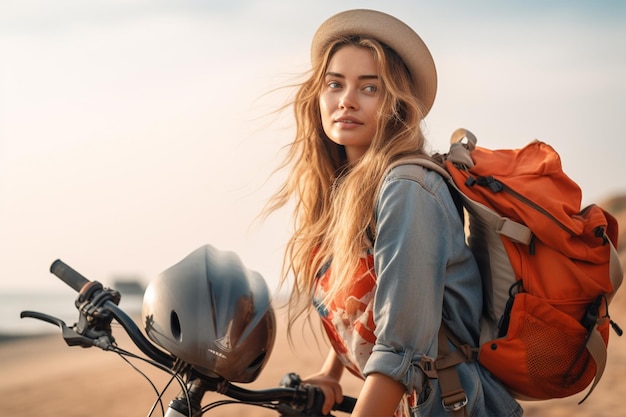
{"points": [[423, 273]]}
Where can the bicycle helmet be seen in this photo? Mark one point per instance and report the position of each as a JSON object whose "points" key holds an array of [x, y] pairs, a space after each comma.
{"points": [[213, 313]]}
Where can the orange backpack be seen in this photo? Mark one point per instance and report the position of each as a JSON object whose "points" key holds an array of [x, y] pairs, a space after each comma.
{"points": [[549, 269]]}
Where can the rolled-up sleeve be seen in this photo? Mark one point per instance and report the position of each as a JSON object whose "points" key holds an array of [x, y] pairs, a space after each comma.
{"points": [[410, 261]]}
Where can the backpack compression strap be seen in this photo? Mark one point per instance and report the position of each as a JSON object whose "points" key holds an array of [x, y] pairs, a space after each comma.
{"points": [[595, 343], [453, 396]]}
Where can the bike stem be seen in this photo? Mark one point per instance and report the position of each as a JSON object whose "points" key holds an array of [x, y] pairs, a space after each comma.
{"points": [[179, 406]]}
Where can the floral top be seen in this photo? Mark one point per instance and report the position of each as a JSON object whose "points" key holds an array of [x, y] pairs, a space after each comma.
{"points": [[349, 320], [349, 323]]}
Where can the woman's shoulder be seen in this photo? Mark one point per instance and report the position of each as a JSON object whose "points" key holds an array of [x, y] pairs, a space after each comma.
{"points": [[417, 183], [425, 176]]}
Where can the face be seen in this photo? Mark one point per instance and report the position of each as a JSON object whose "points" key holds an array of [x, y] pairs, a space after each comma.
{"points": [[350, 99]]}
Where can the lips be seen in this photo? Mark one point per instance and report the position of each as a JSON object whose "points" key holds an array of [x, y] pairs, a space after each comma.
{"points": [[348, 120]]}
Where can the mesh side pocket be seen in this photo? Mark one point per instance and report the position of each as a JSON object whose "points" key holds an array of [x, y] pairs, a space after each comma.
{"points": [[537, 359], [553, 358]]}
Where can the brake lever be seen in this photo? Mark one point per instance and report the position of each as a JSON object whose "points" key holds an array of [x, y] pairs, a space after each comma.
{"points": [[71, 337]]}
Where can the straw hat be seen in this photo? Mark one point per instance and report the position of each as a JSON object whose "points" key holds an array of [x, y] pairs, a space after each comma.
{"points": [[390, 31]]}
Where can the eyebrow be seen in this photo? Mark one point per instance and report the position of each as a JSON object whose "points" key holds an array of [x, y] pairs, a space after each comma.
{"points": [[360, 77]]}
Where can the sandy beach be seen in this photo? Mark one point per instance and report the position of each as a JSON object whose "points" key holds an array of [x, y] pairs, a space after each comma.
{"points": [[41, 376]]}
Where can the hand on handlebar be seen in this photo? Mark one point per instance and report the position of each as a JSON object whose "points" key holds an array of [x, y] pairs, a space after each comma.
{"points": [[330, 387]]}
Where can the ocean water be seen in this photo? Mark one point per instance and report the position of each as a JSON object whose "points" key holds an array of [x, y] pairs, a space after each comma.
{"points": [[57, 304]]}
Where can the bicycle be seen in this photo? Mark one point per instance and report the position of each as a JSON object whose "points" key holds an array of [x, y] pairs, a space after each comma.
{"points": [[99, 306]]}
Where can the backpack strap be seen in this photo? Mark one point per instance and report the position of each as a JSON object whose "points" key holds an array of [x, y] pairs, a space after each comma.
{"points": [[502, 225], [595, 343], [453, 396], [462, 143], [431, 165], [597, 349], [422, 161], [616, 270]]}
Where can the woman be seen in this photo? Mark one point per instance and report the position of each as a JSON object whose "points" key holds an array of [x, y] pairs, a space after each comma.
{"points": [[381, 252]]}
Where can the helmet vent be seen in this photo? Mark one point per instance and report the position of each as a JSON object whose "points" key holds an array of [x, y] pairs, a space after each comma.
{"points": [[175, 326], [257, 362]]}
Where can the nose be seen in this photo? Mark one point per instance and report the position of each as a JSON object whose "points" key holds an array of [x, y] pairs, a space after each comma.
{"points": [[348, 99]]}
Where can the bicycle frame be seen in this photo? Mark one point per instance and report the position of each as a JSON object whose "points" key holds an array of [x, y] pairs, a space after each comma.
{"points": [[98, 307]]}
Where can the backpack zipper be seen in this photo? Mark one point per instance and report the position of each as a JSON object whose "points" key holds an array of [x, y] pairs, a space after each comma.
{"points": [[497, 186]]}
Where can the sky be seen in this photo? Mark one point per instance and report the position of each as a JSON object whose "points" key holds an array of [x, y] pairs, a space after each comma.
{"points": [[134, 131]]}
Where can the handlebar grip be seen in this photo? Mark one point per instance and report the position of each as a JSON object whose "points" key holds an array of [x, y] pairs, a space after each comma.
{"points": [[347, 405], [68, 275]]}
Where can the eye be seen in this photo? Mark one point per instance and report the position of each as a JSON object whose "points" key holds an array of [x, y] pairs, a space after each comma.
{"points": [[370, 88], [334, 84]]}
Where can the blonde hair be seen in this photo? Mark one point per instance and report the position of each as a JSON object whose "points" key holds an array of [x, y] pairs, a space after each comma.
{"points": [[333, 217]]}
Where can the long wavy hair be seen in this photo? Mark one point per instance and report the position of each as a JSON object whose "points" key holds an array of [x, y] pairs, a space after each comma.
{"points": [[333, 216]]}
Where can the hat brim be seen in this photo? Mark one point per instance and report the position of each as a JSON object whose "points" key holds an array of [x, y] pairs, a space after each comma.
{"points": [[393, 33]]}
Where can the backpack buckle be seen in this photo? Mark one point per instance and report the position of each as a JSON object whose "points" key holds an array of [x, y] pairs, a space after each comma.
{"points": [[458, 401], [428, 367]]}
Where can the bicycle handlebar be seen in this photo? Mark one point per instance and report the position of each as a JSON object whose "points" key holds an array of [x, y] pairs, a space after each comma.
{"points": [[310, 396], [68, 275], [138, 338], [293, 399], [287, 394]]}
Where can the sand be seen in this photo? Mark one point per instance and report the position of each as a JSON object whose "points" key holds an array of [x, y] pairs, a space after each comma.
{"points": [[42, 376]]}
